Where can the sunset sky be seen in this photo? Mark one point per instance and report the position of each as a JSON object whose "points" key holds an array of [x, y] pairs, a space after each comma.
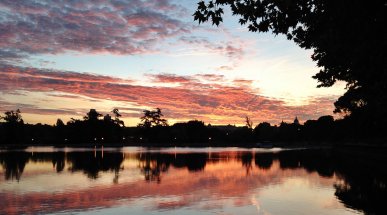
{"points": [[58, 59]]}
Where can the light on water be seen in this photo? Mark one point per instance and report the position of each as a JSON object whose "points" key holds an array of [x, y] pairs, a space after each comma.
{"points": [[189, 181]]}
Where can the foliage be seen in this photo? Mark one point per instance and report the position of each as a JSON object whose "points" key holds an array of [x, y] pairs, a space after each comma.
{"points": [[347, 38], [92, 115], [117, 116], [249, 123], [12, 117], [152, 118], [264, 131], [59, 123], [191, 133]]}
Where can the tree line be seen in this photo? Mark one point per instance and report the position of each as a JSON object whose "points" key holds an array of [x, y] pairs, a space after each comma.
{"points": [[153, 130]]}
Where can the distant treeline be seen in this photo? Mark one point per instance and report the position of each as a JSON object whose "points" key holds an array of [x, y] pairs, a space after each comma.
{"points": [[97, 129]]}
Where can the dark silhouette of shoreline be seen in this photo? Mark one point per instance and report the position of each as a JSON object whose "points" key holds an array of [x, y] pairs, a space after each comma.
{"points": [[96, 130]]}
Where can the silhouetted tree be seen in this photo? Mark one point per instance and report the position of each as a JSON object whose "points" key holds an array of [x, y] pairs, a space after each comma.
{"points": [[347, 38], [59, 123], [92, 115], [241, 135], [321, 129], [117, 116], [12, 131], [13, 117], [264, 131], [153, 118], [193, 131], [288, 131], [107, 118], [249, 123]]}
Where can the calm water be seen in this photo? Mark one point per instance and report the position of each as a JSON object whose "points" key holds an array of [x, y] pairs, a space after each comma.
{"points": [[239, 181]]}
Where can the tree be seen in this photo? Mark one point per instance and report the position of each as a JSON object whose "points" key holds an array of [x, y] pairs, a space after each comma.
{"points": [[117, 116], [92, 115], [59, 123], [347, 37], [153, 118], [13, 117], [264, 131], [249, 123], [12, 131]]}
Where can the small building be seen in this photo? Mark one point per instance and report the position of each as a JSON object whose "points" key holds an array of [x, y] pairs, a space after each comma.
{"points": [[296, 122]]}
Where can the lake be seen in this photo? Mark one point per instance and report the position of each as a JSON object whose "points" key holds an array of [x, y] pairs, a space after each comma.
{"points": [[135, 180]]}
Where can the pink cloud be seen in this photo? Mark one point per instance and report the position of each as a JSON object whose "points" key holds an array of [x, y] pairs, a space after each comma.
{"points": [[242, 82], [211, 77], [233, 50], [211, 102], [39, 27], [169, 78]]}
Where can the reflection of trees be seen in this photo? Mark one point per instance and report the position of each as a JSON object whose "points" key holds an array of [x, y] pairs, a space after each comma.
{"points": [[57, 159], [263, 160], [320, 161], [363, 186], [88, 162], [289, 159], [152, 165], [247, 159], [92, 163], [13, 163], [194, 161], [364, 174], [365, 181], [364, 193]]}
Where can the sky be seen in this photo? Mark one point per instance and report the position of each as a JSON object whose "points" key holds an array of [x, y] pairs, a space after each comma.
{"points": [[58, 59]]}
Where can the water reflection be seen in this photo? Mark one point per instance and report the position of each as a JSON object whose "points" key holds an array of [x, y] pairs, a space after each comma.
{"points": [[200, 181], [14, 164], [92, 163]]}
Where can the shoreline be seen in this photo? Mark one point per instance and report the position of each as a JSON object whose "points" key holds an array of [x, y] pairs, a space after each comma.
{"points": [[205, 145]]}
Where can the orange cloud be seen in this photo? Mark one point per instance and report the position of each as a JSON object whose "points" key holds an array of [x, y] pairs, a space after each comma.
{"points": [[169, 78], [211, 101]]}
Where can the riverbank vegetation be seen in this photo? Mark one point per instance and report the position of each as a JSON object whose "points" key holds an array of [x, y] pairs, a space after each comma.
{"points": [[154, 130]]}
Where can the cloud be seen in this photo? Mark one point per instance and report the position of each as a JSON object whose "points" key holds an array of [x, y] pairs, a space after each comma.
{"points": [[169, 78], [211, 77], [212, 102], [118, 27], [224, 68], [9, 56], [242, 82], [33, 109], [56, 76], [29, 28], [234, 50]]}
